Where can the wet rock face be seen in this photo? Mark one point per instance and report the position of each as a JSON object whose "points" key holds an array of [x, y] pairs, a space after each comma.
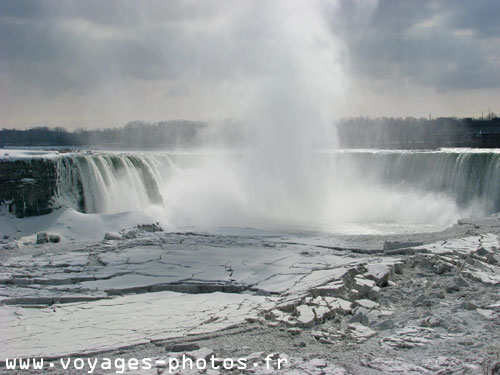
{"points": [[27, 187]]}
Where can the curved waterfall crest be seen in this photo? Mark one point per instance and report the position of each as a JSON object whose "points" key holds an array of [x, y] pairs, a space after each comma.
{"points": [[468, 177], [108, 183], [464, 175], [116, 182]]}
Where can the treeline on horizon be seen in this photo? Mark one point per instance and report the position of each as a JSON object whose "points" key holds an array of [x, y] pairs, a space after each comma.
{"points": [[411, 132], [352, 132], [134, 134]]}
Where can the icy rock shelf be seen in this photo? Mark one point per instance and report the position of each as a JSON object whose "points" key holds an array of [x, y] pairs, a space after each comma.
{"points": [[398, 308]]}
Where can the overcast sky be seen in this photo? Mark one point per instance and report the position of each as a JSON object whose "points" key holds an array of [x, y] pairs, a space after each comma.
{"points": [[103, 63]]}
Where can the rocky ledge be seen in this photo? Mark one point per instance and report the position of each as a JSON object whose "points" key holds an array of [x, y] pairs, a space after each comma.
{"points": [[28, 186]]}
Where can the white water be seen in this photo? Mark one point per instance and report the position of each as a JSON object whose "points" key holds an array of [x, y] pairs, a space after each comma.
{"points": [[382, 190], [107, 183], [289, 101]]}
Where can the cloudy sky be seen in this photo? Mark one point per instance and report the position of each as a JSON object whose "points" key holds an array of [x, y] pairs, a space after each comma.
{"points": [[103, 63]]}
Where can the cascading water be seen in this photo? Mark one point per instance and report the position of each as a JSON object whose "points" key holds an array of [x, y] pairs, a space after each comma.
{"points": [[470, 177], [108, 183], [369, 186]]}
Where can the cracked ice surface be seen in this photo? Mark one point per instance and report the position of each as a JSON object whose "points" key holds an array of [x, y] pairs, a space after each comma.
{"points": [[120, 293], [124, 321], [91, 297], [162, 261]]}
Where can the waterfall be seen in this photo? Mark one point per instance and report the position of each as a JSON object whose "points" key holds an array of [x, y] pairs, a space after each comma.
{"points": [[466, 176], [108, 183]]}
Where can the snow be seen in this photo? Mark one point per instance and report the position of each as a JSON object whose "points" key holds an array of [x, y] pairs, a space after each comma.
{"points": [[107, 324], [71, 224], [16, 154], [140, 288]]}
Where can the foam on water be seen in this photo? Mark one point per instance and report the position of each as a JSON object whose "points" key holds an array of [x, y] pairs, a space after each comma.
{"points": [[287, 108], [354, 191], [108, 183]]}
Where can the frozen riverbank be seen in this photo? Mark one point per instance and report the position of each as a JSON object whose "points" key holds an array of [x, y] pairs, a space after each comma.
{"points": [[346, 301]]}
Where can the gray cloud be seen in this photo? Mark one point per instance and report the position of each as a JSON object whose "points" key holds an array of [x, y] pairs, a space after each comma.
{"points": [[443, 45], [73, 48], [479, 16], [80, 45]]}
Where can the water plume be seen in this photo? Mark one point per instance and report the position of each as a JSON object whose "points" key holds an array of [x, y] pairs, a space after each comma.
{"points": [[294, 88], [288, 110]]}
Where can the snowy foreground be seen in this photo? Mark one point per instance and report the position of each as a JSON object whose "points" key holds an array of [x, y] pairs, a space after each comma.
{"points": [[343, 305]]}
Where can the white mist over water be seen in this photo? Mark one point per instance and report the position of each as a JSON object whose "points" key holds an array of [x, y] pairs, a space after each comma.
{"points": [[344, 193], [288, 110], [297, 89], [289, 113], [368, 191]]}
